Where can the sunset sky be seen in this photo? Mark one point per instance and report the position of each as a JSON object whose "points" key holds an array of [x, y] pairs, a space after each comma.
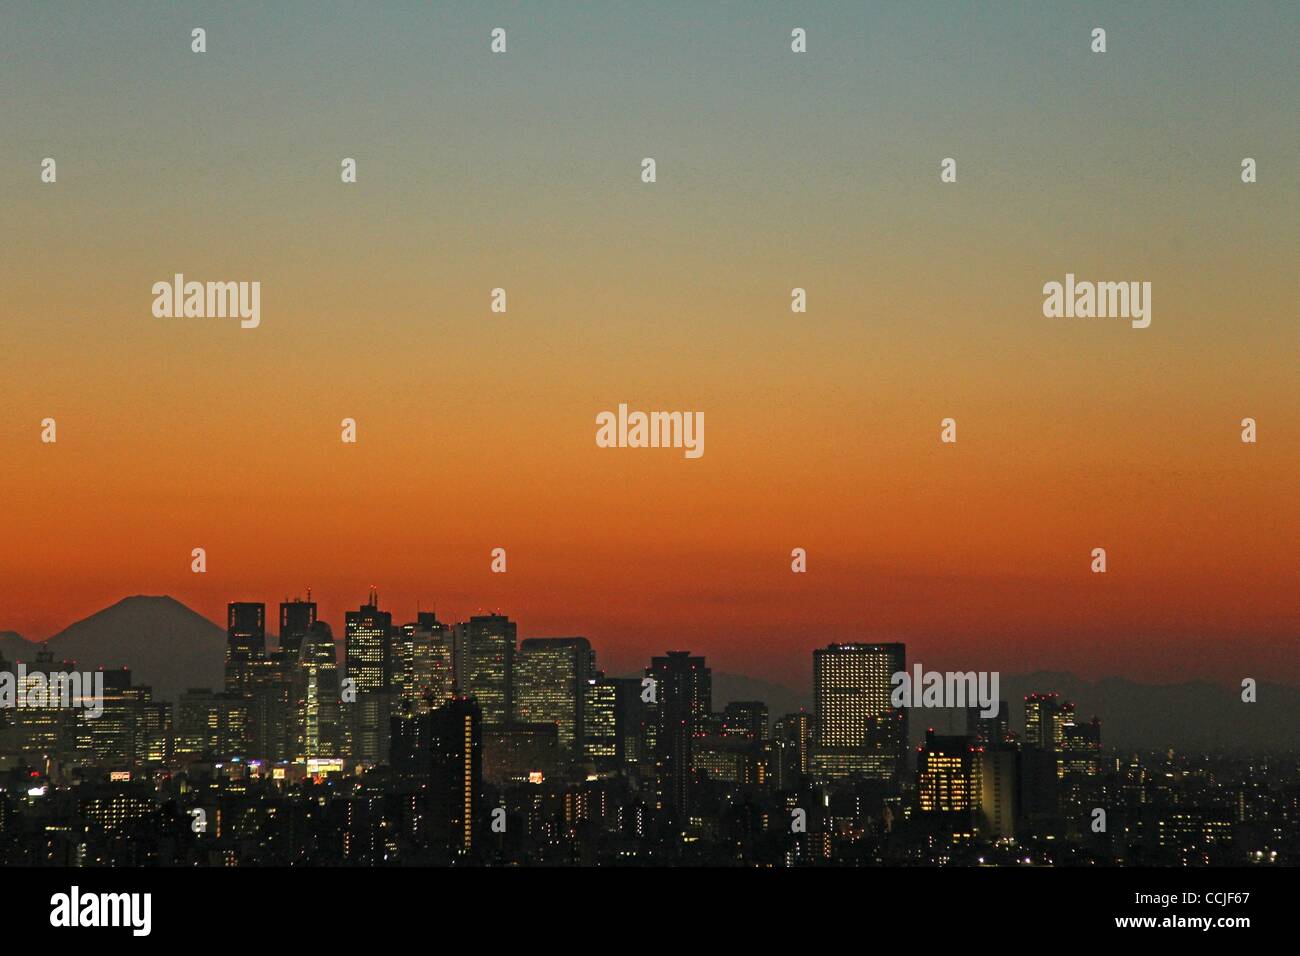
{"points": [[775, 170]]}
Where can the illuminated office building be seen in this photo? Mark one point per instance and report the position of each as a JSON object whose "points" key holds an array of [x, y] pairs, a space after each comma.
{"points": [[1045, 719], [318, 713], [485, 659], [550, 683], [367, 640], [858, 731], [422, 663], [612, 718]]}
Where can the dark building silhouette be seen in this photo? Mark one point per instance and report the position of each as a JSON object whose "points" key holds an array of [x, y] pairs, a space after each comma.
{"points": [[442, 752], [245, 630], [683, 688], [296, 620]]}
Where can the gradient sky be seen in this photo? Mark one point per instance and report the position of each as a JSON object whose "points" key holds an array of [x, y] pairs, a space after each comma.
{"points": [[775, 170]]}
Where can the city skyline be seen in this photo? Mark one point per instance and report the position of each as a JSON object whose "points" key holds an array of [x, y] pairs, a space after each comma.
{"points": [[803, 678], [434, 743]]}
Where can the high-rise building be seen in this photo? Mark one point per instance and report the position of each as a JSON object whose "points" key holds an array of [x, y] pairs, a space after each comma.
{"points": [[612, 718], [422, 663], [947, 782], [296, 620], [367, 640], [859, 732], [213, 725], [1045, 718], [43, 731], [367, 700], [441, 749], [485, 658], [316, 692], [245, 630], [789, 752], [683, 688], [997, 791], [1080, 747], [267, 683], [550, 683], [745, 718], [109, 740], [990, 733]]}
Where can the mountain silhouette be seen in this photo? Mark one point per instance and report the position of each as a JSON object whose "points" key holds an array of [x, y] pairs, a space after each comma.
{"points": [[164, 643], [14, 647]]}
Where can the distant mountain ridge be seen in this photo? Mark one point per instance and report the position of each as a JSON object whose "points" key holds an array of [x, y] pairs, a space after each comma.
{"points": [[164, 643], [172, 648]]}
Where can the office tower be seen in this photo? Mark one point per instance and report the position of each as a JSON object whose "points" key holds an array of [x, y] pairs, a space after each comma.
{"points": [[1080, 747], [1078, 765], [485, 659], [990, 733], [318, 732], [296, 620], [109, 740], [683, 699], [745, 718], [947, 782], [267, 683], [858, 731], [997, 792], [367, 639], [367, 698], [213, 725], [442, 750], [245, 630], [49, 730], [796, 733], [154, 732], [612, 717], [423, 663], [1045, 718], [550, 682]]}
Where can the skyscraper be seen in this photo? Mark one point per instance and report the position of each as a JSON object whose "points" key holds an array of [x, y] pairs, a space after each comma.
{"points": [[367, 643], [422, 663], [485, 661], [745, 718], [296, 620], [550, 683], [442, 750], [612, 717], [858, 730], [947, 782], [367, 699], [990, 732], [245, 630], [683, 688], [1045, 718], [316, 689]]}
